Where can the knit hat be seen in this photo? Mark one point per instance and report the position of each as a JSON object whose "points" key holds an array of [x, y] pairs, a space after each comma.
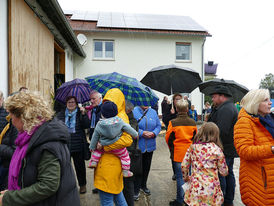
{"points": [[109, 109]]}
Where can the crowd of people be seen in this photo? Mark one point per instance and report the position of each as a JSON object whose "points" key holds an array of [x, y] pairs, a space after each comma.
{"points": [[38, 144]]}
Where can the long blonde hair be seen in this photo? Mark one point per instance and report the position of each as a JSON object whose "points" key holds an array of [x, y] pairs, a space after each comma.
{"points": [[208, 132], [30, 107]]}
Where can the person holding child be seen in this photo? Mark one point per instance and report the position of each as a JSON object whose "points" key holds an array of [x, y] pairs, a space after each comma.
{"points": [[179, 136], [108, 176], [206, 158], [107, 131]]}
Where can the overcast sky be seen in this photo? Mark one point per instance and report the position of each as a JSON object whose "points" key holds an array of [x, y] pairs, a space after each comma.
{"points": [[242, 41]]}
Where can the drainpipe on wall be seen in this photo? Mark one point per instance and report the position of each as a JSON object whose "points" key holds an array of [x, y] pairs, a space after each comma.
{"points": [[203, 71]]}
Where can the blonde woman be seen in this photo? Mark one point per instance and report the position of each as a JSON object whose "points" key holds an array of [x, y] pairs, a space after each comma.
{"points": [[40, 171], [254, 142]]}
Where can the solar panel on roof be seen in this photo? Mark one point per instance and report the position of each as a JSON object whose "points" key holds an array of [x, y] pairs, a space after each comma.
{"points": [[91, 16], [85, 15], [140, 21]]}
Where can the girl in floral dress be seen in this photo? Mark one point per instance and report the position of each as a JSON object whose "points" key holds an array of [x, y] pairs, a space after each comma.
{"points": [[206, 158]]}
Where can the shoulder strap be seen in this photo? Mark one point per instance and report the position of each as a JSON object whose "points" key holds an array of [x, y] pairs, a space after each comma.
{"points": [[4, 131], [144, 114]]}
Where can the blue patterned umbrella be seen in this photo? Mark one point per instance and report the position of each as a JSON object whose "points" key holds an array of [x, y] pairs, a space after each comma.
{"points": [[134, 91], [77, 87]]}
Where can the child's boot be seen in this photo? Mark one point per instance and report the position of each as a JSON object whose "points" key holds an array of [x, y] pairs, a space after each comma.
{"points": [[127, 173], [92, 164]]}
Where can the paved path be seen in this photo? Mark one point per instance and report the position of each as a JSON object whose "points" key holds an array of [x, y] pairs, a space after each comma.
{"points": [[163, 189]]}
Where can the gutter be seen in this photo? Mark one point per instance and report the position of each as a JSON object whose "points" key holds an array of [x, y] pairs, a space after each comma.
{"points": [[141, 32], [203, 71], [51, 14]]}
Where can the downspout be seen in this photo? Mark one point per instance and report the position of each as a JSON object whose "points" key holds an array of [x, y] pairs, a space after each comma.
{"points": [[203, 72]]}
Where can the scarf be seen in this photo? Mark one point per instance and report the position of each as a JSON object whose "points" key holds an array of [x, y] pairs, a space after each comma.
{"points": [[22, 143], [70, 120], [89, 109], [268, 123], [93, 116]]}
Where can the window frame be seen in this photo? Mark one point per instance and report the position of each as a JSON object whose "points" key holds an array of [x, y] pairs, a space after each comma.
{"points": [[190, 52], [104, 58]]}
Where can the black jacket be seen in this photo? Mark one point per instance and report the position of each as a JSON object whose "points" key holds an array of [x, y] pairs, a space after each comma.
{"points": [[165, 111], [77, 139], [169, 116], [53, 137], [3, 121], [98, 116], [134, 124], [225, 117], [7, 146]]}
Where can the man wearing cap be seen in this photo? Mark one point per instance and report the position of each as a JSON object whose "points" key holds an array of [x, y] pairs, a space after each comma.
{"points": [[224, 115]]}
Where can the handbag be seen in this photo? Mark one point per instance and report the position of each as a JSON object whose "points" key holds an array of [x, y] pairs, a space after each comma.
{"points": [[135, 155], [136, 160]]}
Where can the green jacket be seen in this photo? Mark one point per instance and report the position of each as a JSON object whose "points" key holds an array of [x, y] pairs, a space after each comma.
{"points": [[47, 181], [46, 176]]}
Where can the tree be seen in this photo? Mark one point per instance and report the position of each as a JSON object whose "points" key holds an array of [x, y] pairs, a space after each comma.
{"points": [[267, 82]]}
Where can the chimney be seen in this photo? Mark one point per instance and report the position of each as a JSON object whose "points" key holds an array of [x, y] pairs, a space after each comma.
{"points": [[210, 63]]}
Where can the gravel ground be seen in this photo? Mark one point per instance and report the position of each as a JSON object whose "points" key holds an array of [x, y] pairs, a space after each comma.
{"points": [[163, 189]]}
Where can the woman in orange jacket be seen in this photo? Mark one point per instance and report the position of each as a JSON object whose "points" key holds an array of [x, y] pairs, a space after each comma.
{"points": [[254, 142]]}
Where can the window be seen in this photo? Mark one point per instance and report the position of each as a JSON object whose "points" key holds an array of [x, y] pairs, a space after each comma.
{"points": [[183, 51], [103, 49]]}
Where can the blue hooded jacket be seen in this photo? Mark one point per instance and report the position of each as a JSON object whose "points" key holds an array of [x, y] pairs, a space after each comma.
{"points": [[150, 122]]}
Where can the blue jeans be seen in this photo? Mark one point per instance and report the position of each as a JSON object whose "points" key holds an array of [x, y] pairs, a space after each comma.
{"points": [[228, 182], [107, 199], [180, 181]]}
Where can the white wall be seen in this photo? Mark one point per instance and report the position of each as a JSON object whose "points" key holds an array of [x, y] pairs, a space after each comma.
{"points": [[136, 54], [4, 47]]}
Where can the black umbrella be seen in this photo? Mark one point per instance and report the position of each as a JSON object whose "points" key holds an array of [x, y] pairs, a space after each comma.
{"points": [[237, 90], [170, 79]]}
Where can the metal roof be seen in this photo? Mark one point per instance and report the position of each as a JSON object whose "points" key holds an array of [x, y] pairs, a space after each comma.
{"points": [[138, 21]]}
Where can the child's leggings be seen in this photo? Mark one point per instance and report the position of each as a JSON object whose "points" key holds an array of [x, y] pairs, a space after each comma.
{"points": [[121, 153]]}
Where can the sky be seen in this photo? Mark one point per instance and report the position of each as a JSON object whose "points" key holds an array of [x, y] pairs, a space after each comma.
{"points": [[242, 41]]}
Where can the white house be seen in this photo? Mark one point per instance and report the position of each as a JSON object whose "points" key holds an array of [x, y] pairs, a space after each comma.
{"points": [[37, 46], [132, 44]]}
